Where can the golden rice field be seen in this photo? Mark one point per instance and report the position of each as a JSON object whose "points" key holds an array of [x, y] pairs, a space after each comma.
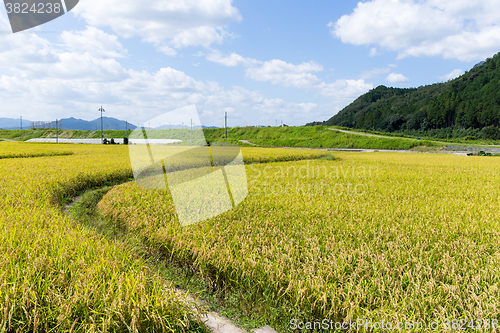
{"points": [[57, 276], [378, 236]]}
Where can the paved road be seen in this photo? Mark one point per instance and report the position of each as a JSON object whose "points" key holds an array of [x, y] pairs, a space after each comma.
{"points": [[9, 140]]}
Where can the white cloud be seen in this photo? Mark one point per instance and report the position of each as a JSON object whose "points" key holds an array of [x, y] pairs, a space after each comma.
{"points": [[452, 29], [373, 52], [167, 50], [286, 74], [300, 76], [28, 55], [76, 83], [452, 75], [232, 60], [276, 108], [19, 52], [179, 23], [396, 78], [43, 80], [344, 91], [94, 41], [374, 73]]}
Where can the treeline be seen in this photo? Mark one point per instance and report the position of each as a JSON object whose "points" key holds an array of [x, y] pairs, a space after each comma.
{"points": [[463, 106]]}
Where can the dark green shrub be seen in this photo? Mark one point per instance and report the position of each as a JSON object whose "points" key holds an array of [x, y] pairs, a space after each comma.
{"points": [[490, 132], [483, 153]]}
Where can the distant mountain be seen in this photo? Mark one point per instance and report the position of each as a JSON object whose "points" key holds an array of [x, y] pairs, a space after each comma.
{"points": [[72, 124], [85, 125], [77, 124], [471, 101], [10, 123], [95, 125]]}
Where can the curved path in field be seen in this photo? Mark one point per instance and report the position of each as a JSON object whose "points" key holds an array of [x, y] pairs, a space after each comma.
{"points": [[215, 322]]}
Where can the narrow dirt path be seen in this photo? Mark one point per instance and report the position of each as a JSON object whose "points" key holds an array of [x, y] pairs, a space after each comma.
{"points": [[220, 324], [215, 322]]}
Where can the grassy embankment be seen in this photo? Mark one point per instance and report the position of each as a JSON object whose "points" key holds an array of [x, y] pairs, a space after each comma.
{"points": [[312, 137]]}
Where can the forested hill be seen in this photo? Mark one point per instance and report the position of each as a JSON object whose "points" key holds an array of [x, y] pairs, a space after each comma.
{"points": [[469, 101]]}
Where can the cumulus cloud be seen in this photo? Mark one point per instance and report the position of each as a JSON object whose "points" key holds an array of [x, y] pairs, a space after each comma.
{"points": [[43, 81], [396, 78], [28, 55], [94, 41], [175, 23], [232, 60], [452, 75], [344, 91], [301, 76], [373, 52], [463, 30], [374, 73], [276, 108], [167, 50], [280, 72]]}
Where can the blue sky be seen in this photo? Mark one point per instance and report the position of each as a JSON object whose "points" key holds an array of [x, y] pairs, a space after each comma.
{"points": [[295, 61]]}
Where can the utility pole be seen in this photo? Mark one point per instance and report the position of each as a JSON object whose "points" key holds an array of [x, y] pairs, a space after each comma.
{"points": [[191, 132], [126, 129], [57, 132], [276, 122], [225, 126], [21, 122], [102, 136], [282, 123]]}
